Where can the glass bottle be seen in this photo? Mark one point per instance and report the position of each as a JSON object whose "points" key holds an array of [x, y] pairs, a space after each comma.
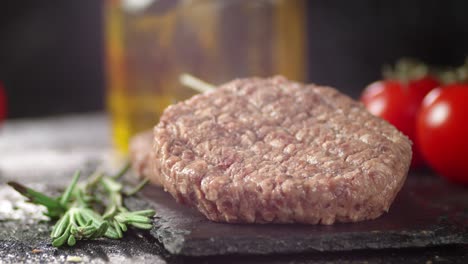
{"points": [[149, 43]]}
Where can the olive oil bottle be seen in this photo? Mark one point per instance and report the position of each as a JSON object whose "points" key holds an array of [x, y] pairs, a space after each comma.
{"points": [[149, 44]]}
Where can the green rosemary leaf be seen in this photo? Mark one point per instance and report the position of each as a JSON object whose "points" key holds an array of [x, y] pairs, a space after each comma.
{"points": [[117, 228], [54, 208], [141, 225], [68, 192], [122, 171], [137, 188], [71, 241], [61, 225], [60, 241], [79, 209], [148, 213], [111, 233]]}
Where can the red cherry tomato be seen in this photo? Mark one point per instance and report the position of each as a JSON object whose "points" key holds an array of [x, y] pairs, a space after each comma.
{"points": [[399, 103], [2, 103], [442, 128]]}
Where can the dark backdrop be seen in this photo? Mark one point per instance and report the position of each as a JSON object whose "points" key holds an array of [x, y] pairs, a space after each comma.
{"points": [[51, 51], [51, 56]]}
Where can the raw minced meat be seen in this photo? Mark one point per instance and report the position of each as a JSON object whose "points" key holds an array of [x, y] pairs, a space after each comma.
{"points": [[271, 150]]}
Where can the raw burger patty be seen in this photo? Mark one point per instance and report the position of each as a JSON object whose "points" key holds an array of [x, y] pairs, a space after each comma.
{"points": [[272, 150]]}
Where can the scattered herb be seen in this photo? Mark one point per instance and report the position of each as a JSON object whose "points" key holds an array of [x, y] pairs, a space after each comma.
{"points": [[78, 210]]}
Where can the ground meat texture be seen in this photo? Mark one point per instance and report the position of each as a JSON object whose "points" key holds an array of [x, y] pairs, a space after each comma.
{"points": [[141, 155], [272, 150]]}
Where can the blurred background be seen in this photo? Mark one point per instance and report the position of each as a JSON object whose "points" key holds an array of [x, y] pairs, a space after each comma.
{"points": [[125, 57], [52, 53]]}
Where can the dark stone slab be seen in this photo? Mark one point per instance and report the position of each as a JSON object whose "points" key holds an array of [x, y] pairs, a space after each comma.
{"points": [[43, 153], [30, 243], [442, 255], [427, 212]]}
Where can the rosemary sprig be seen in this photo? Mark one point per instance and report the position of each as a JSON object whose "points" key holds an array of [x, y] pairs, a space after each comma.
{"points": [[77, 209], [117, 215]]}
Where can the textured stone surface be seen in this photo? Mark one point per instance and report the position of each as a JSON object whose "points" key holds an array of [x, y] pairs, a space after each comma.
{"points": [[44, 153], [19, 245], [20, 242], [428, 212]]}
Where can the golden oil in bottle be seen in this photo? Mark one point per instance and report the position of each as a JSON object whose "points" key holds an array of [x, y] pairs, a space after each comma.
{"points": [[150, 43]]}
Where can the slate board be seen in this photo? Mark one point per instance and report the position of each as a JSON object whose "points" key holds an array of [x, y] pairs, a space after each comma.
{"points": [[427, 212], [52, 148]]}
